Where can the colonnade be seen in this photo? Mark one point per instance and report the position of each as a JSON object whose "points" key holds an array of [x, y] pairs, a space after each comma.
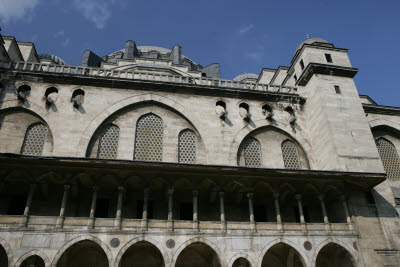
{"points": [[195, 219]]}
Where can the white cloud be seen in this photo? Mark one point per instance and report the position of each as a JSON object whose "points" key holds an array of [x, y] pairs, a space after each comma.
{"points": [[65, 42], [59, 34], [255, 55], [12, 10], [96, 11], [246, 28]]}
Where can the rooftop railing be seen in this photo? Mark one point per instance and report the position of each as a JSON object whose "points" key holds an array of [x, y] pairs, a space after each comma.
{"points": [[146, 76]]}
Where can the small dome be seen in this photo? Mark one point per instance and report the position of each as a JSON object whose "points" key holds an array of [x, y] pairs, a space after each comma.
{"points": [[312, 41], [244, 76], [54, 58]]}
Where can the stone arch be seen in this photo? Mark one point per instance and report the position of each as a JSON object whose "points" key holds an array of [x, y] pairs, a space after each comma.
{"points": [[200, 240], [260, 124], [32, 107], [140, 239], [118, 106], [303, 257], [354, 255], [8, 250], [241, 255], [78, 239], [33, 253], [39, 114], [381, 122]]}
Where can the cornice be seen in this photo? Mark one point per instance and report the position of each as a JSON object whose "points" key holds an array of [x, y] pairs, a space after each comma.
{"points": [[318, 68]]}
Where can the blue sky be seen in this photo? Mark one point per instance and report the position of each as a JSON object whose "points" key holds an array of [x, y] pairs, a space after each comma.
{"points": [[243, 36]]}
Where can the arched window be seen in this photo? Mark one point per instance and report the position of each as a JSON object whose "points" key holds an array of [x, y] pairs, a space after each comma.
{"points": [[251, 151], [35, 137], [290, 155], [108, 142], [149, 138], [390, 158], [187, 147]]}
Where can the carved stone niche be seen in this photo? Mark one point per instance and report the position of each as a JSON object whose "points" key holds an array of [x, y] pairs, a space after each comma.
{"points": [[244, 111], [51, 95], [389, 257], [23, 92], [267, 112], [77, 97], [220, 109], [292, 115]]}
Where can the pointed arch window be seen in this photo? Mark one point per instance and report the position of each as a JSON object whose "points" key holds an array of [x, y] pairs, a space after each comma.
{"points": [[149, 138], [35, 138], [290, 155], [187, 147], [108, 142], [390, 158], [251, 152]]}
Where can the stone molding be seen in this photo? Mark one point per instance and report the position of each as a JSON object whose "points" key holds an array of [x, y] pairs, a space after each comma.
{"points": [[32, 253]]}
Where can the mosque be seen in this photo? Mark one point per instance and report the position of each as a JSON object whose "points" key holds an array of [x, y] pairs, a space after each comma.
{"points": [[143, 157]]}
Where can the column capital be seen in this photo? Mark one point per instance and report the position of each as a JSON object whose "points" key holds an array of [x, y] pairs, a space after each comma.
{"points": [[67, 187], [121, 188], [342, 197], [195, 193], [146, 192], [321, 196], [95, 188], [170, 190], [276, 195], [298, 196], [221, 193], [250, 195]]}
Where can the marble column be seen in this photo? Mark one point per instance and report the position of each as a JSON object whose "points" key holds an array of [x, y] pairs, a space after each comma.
{"points": [[61, 217], [145, 207], [195, 212], [222, 211], [28, 204], [301, 213], [170, 222], [92, 208], [346, 211], [324, 214], [118, 220], [251, 211], [278, 212]]}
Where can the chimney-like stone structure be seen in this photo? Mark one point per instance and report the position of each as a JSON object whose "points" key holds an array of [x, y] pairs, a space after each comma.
{"points": [[130, 51], [176, 55]]}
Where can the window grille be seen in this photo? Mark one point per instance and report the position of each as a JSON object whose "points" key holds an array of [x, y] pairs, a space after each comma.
{"points": [[251, 150], [35, 137], [149, 138], [390, 158], [290, 156], [108, 143], [187, 147]]}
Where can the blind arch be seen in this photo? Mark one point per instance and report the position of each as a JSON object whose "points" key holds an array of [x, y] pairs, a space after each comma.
{"points": [[149, 138]]}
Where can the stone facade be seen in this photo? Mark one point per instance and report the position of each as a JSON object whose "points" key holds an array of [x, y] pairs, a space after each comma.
{"points": [[145, 158]]}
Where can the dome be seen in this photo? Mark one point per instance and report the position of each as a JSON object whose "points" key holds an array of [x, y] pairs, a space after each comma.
{"points": [[312, 41], [244, 76], [54, 58]]}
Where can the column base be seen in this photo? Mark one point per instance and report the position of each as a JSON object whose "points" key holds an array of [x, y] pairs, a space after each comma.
{"points": [[170, 225], [144, 224], [60, 222], [223, 227], [25, 220], [196, 226], [90, 224], [253, 227], [117, 224]]}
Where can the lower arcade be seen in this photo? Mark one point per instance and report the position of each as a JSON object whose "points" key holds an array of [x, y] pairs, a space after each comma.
{"points": [[86, 212]]}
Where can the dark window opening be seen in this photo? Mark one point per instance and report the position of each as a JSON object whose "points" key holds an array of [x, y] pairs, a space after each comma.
{"points": [[16, 205], [221, 103], [260, 213], [102, 205], [305, 214], [328, 58], [397, 201], [186, 211], [203, 75], [50, 91], [337, 89], [302, 64], [295, 78], [139, 209], [370, 197]]}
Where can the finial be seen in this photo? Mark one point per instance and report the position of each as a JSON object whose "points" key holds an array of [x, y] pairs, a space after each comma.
{"points": [[308, 36]]}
